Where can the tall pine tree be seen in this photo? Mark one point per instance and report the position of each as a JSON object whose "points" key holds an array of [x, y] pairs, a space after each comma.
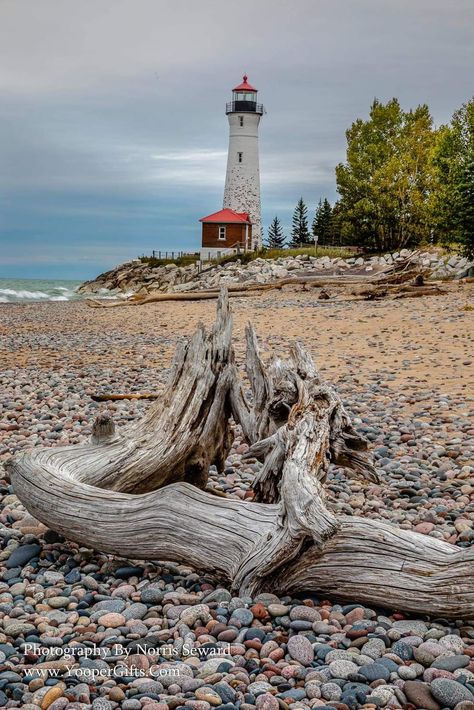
{"points": [[300, 235], [276, 238], [322, 223]]}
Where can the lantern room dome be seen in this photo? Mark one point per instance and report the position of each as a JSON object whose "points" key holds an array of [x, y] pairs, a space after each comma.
{"points": [[245, 86]]}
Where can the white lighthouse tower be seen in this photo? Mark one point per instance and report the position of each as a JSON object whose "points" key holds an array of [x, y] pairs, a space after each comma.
{"points": [[242, 182]]}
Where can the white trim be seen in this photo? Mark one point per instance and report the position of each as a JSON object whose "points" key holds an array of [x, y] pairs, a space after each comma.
{"points": [[222, 227]]}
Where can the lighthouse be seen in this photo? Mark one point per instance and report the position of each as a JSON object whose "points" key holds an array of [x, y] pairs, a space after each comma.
{"points": [[239, 224], [242, 181]]}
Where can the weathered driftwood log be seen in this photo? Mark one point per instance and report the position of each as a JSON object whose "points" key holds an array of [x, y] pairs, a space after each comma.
{"points": [[396, 273], [135, 485], [372, 292]]}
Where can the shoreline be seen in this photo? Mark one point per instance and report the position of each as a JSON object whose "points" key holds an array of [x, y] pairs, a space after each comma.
{"points": [[404, 371]]}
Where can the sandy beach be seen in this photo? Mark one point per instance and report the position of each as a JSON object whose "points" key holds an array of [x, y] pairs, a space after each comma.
{"points": [[405, 371]]}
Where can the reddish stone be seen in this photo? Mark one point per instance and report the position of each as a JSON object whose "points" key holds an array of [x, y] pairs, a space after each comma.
{"points": [[253, 643], [277, 654], [201, 630], [356, 614], [424, 528], [259, 611], [270, 667]]}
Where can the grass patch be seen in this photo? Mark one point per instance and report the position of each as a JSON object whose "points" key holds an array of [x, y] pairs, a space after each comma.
{"points": [[184, 260], [248, 256], [317, 252]]}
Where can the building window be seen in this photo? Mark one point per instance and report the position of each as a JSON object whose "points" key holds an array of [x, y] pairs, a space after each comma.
{"points": [[240, 157], [221, 232], [241, 121]]}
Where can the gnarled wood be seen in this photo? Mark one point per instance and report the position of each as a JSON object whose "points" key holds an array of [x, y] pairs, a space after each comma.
{"points": [[135, 485]]}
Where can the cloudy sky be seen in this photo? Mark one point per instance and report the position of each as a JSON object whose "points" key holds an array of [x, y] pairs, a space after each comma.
{"points": [[113, 135]]}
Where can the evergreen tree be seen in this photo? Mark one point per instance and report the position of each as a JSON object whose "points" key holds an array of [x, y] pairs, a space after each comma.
{"points": [[276, 238], [300, 235], [322, 228]]}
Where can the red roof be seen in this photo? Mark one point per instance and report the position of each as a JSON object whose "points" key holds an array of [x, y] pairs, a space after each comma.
{"points": [[227, 217], [245, 86]]}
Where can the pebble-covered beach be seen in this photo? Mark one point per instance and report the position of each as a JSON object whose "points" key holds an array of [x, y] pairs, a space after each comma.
{"points": [[81, 629]]}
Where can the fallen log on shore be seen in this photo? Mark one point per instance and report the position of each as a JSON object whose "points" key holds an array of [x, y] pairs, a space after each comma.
{"points": [[397, 273], [148, 481]]}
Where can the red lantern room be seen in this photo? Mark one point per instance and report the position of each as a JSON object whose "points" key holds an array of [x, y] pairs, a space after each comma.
{"points": [[244, 99]]}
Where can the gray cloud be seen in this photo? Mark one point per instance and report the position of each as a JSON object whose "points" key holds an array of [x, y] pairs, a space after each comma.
{"points": [[112, 114]]}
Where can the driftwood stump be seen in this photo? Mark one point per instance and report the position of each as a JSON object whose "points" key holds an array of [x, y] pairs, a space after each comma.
{"points": [[146, 483]]}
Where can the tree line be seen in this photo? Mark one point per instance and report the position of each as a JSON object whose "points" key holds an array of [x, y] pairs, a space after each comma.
{"points": [[321, 231], [404, 183]]}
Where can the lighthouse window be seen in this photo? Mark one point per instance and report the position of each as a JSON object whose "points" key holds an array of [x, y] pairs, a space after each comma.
{"points": [[221, 232], [240, 157], [241, 121]]}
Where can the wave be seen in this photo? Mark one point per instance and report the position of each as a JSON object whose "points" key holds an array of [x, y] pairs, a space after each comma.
{"points": [[47, 291], [44, 292], [31, 295]]}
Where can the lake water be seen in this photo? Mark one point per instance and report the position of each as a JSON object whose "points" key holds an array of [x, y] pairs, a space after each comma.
{"points": [[30, 290]]}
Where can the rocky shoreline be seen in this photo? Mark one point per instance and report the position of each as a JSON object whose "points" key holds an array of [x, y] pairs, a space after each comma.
{"points": [[117, 632], [137, 277]]}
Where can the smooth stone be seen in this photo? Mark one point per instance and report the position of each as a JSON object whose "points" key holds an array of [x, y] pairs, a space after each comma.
{"points": [[225, 691], [135, 611], [243, 616], [73, 576], [305, 613], [22, 555], [374, 648], [374, 671], [126, 572], [51, 695], [412, 626], [277, 609], [266, 701], [449, 692], [343, 669], [451, 663], [152, 595], [209, 695], [112, 620], [420, 695], [402, 650], [301, 650]]}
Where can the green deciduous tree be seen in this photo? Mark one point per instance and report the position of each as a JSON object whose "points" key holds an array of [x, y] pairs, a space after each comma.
{"points": [[465, 200], [322, 222], [453, 158], [299, 232], [387, 178], [276, 238]]}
